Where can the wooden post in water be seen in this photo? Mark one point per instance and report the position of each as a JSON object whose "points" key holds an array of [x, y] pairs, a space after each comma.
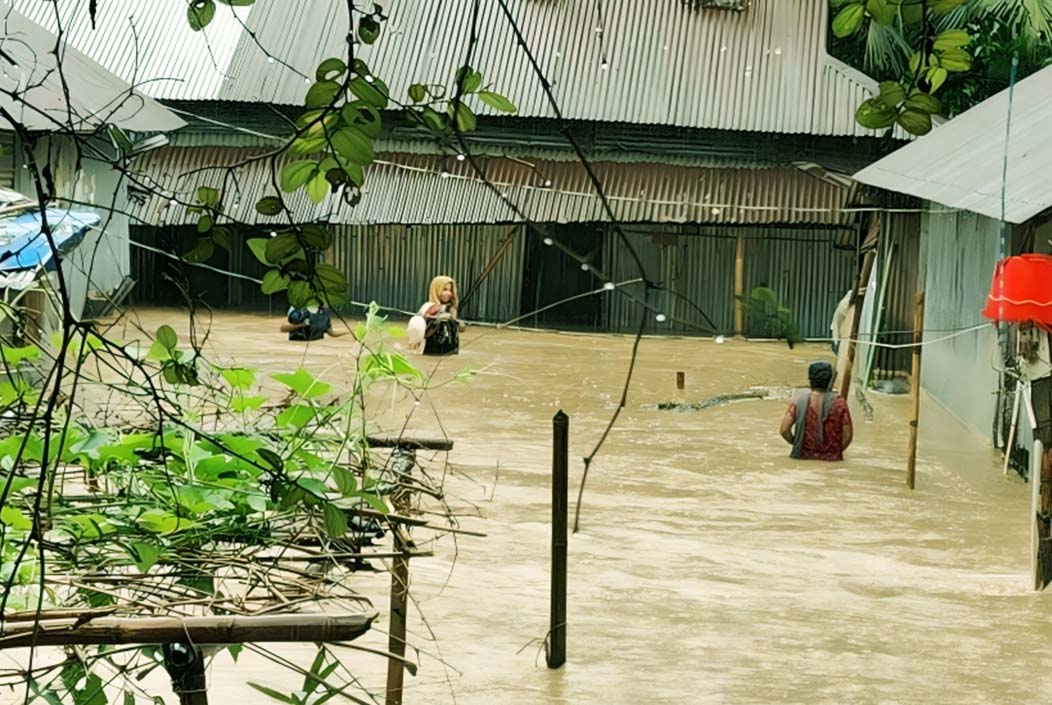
{"points": [[915, 384], [739, 287], [858, 297], [186, 665], [681, 380], [1037, 457], [555, 650], [399, 611]]}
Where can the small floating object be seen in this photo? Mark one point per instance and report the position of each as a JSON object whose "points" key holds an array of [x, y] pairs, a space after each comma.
{"points": [[720, 340]]}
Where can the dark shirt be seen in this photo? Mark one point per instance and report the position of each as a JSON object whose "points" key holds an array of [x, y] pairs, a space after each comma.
{"points": [[318, 324], [443, 338]]}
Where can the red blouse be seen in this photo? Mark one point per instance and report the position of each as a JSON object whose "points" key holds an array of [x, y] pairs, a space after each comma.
{"points": [[832, 447]]}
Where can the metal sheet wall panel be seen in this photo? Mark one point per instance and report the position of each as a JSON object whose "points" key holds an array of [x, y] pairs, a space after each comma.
{"points": [[393, 265], [759, 70], [423, 189], [960, 252], [803, 268], [900, 245], [697, 264], [148, 43]]}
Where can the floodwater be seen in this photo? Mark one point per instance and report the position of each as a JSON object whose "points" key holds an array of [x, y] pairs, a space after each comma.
{"points": [[709, 567]]}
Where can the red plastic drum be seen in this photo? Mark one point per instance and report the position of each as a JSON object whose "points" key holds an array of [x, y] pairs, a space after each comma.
{"points": [[1021, 290]]}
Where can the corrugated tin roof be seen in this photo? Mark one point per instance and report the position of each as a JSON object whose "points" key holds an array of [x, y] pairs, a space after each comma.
{"points": [[761, 70], [960, 163], [83, 96], [412, 188], [148, 42]]}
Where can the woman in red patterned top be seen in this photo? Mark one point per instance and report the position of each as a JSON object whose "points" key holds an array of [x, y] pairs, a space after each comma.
{"points": [[818, 424]]}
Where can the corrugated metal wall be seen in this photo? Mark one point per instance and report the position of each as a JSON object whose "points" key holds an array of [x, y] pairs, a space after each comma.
{"points": [[154, 272], [900, 249], [7, 159], [393, 265], [960, 251], [802, 266], [429, 189]]}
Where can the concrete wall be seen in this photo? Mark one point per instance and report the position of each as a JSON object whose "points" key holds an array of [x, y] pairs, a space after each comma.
{"points": [[97, 266], [960, 251]]}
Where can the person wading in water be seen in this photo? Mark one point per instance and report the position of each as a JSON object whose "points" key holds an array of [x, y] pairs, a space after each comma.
{"points": [[818, 424]]}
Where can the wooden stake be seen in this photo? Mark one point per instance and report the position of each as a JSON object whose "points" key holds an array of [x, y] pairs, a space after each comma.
{"points": [[739, 287], [1037, 457], [857, 298], [681, 380], [399, 611], [555, 650], [915, 383]]}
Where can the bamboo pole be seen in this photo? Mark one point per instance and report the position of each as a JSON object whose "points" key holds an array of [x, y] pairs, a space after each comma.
{"points": [[556, 644], [739, 286], [198, 630], [915, 384], [857, 298]]}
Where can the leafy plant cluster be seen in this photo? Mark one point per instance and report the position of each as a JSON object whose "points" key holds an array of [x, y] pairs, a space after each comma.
{"points": [[177, 516], [908, 100], [766, 317], [938, 57]]}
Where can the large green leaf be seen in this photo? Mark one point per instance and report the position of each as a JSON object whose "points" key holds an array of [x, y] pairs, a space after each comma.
{"points": [[892, 93], [318, 187], [258, 246], [199, 13], [915, 122], [465, 119], [363, 116], [297, 173], [268, 205], [849, 20], [279, 248], [316, 236], [296, 416], [882, 11], [239, 377], [956, 60], [368, 29], [875, 114], [374, 93], [322, 94], [274, 281], [952, 39], [14, 518], [335, 520], [303, 383], [353, 145], [144, 554], [331, 279], [166, 337], [242, 404], [330, 69], [497, 102], [925, 103], [13, 356]]}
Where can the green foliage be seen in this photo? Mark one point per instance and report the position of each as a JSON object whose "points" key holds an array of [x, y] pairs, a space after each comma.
{"points": [[767, 318], [945, 55]]}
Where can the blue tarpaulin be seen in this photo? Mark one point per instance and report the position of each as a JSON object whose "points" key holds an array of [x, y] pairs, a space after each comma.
{"points": [[25, 247]]}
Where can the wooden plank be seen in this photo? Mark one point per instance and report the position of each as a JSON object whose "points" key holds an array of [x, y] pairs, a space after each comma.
{"points": [[198, 630]]}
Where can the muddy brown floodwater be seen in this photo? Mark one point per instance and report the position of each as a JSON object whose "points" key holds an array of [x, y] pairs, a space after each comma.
{"points": [[709, 568]]}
